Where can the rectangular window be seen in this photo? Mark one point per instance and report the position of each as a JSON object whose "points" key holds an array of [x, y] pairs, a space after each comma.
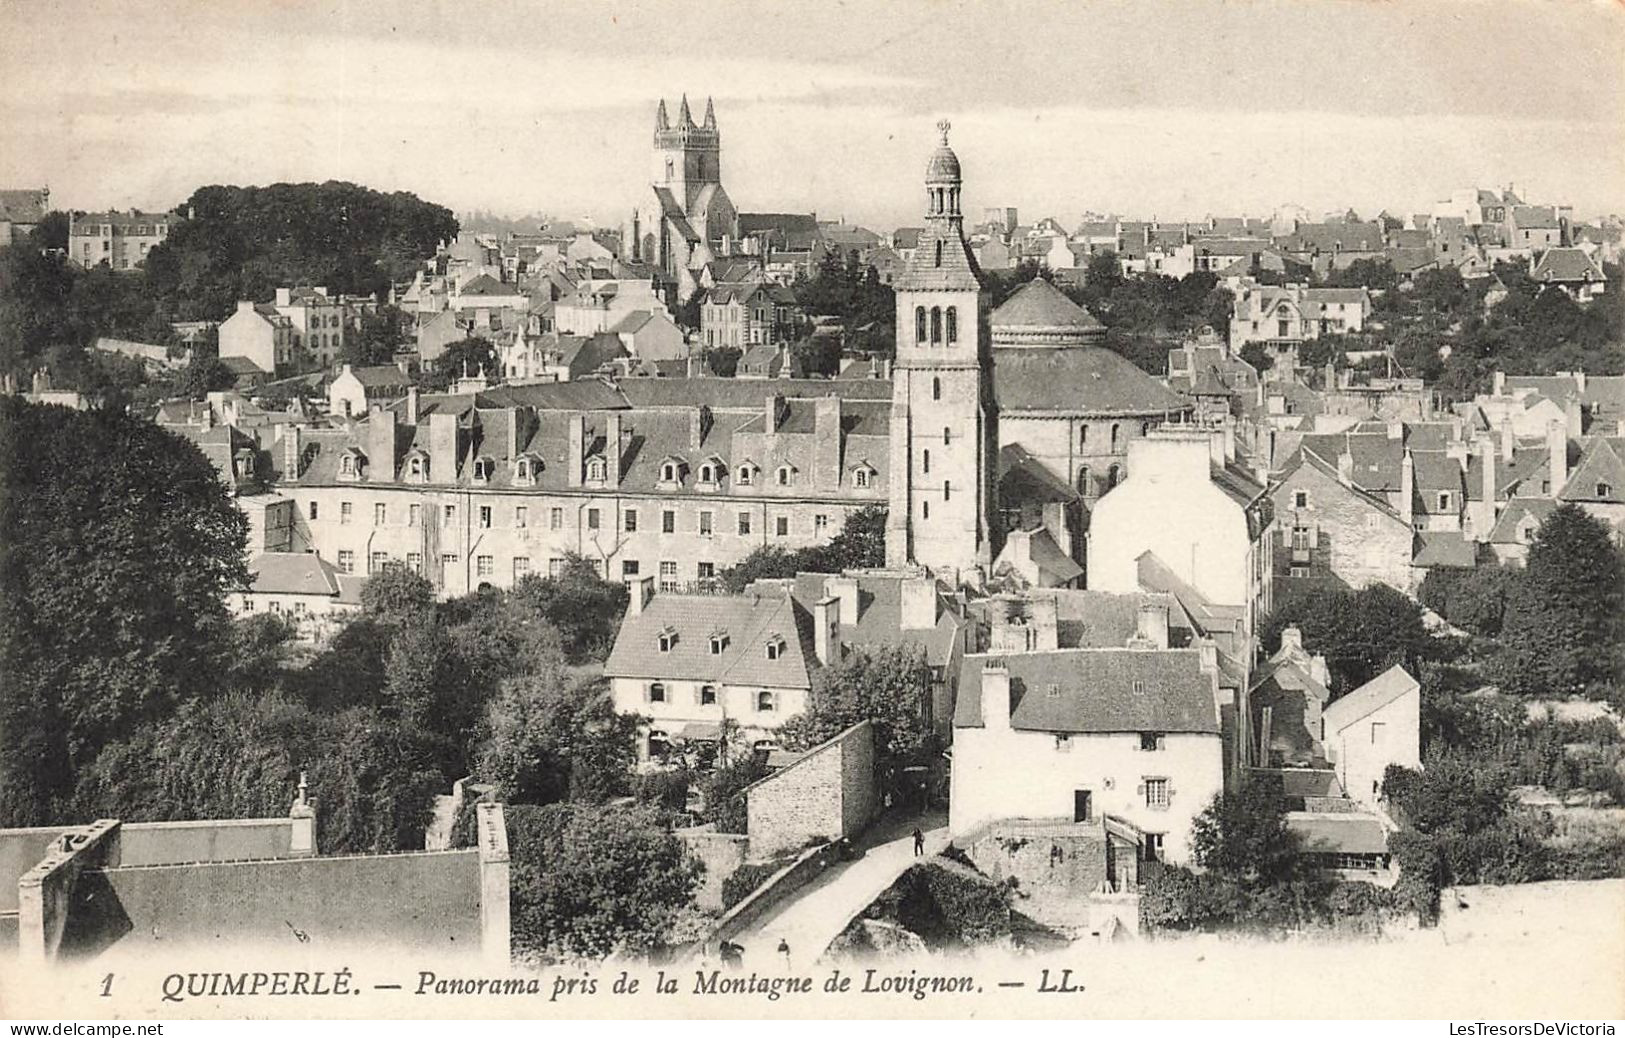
{"points": [[313, 511], [521, 516], [629, 568], [1444, 502], [1151, 741], [485, 517], [1298, 571], [1300, 499], [346, 561], [744, 524], [346, 513], [449, 515], [781, 526], [379, 558], [1153, 846], [705, 524], [592, 518], [1156, 793], [484, 565], [668, 575], [414, 561], [631, 520], [449, 560], [1378, 730], [668, 521], [248, 605], [414, 513], [555, 568], [555, 519], [521, 567], [820, 523], [706, 570]]}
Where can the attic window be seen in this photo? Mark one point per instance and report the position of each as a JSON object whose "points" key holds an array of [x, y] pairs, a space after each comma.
{"points": [[860, 478], [595, 470], [347, 465], [719, 642], [783, 475], [1052, 690], [743, 476], [708, 473], [482, 470], [1604, 490], [418, 467], [524, 471], [775, 648], [667, 639], [668, 472], [1139, 687]]}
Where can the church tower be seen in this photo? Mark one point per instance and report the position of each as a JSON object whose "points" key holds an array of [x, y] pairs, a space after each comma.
{"points": [[687, 156], [942, 432]]}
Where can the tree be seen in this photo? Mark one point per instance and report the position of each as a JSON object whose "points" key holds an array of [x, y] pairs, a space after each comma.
{"points": [[589, 880], [1455, 789], [861, 544], [1361, 633], [1243, 834], [723, 804], [548, 737], [584, 607], [395, 596], [1565, 617], [887, 684], [118, 544]]}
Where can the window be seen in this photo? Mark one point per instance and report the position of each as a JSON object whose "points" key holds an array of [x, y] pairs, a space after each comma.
{"points": [[555, 519], [936, 389], [1300, 538], [414, 515], [765, 702], [668, 521], [1297, 571], [820, 523], [521, 516], [631, 520], [705, 524], [1117, 435], [313, 511], [1379, 730], [946, 433], [783, 476], [919, 324], [347, 463], [1604, 490], [1300, 499], [925, 509], [346, 513], [417, 468], [936, 324], [744, 524], [781, 526], [1153, 846], [1083, 436], [414, 561], [708, 473], [1151, 740], [668, 472], [706, 570], [629, 567], [939, 249], [743, 476], [1156, 794], [953, 325], [592, 518], [248, 605], [719, 642], [657, 691], [485, 517], [708, 695], [1444, 501], [947, 491], [860, 479], [925, 462], [668, 575], [378, 560], [448, 516], [482, 470], [1113, 476], [595, 470], [484, 565], [521, 567], [346, 561], [522, 471], [775, 647], [555, 568]]}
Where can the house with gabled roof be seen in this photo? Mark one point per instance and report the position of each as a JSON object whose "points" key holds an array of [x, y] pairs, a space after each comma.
{"points": [[258, 334], [1573, 271], [311, 594], [1330, 530]]}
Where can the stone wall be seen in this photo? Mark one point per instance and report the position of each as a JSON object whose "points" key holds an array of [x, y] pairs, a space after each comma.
{"points": [[720, 853], [1045, 859], [828, 794]]}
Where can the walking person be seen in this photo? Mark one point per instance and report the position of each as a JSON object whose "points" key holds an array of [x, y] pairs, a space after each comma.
{"points": [[784, 953], [919, 842]]}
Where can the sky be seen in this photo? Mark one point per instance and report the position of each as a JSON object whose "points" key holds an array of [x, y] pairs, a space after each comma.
{"points": [[1174, 109]]}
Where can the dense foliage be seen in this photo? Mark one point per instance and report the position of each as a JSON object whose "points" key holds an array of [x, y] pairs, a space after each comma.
{"points": [[842, 287], [1361, 633], [861, 544], [117, 547], [948, 904]]}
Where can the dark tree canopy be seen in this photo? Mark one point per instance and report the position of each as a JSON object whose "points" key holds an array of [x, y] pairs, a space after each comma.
{"points": [[117, 547], [1361, 633], [861, 544]]}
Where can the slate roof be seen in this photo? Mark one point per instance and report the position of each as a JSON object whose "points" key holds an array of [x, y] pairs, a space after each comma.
{"points": [[957, 271], [1039, 305], [1446, 548], [1561, 265], [586, 395], [486, 285], [1106, 620], [1154, 575], [240, 366], [1329, 237], [880, 611], [382, 376], [1097, 691], [1376, 457], [1082, 380], [746, 394], [1025, 480], [292, 573], [1534, 217], [1602, 464], [797, 231], [749, 621], [1375, 694], [1347, 832], [1056, 566], [1527, 463], [1505, 530]]}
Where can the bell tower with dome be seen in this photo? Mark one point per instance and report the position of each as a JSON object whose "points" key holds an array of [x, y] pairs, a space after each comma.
{"points": [[942, 429]]}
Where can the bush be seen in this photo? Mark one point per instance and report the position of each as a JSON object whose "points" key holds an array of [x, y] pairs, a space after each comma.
{"points": [[1421, 874], [743, 881], [665, 791], [948, 905], [723, 804]]}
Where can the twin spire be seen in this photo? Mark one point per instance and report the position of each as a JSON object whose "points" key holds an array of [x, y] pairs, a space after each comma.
{"points": [[685, 118]]}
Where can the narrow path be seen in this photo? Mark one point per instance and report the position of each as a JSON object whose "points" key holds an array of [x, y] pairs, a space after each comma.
{"points": [[811, 919]]}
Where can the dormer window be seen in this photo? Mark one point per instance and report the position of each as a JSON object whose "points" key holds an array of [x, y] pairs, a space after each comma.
{"points": [[711, 473], [782, 477], [349, 466], [595, 469], [719, 643], [1444, 501], [669, 472], [1604, 490], [743, 476], [766, 701], [775, 647], [524, 471], [860, 478], [667, 639], [482, 470], [417, 467]]}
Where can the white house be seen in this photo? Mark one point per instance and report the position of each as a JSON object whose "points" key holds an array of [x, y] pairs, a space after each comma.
{"points": [[301, 587], [1079, 734], [354, 391], [258, 334], [1376, 725]]}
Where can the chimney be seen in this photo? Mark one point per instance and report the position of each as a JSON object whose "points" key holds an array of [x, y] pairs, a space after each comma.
{"points": [[291, 450], [284, 297], [639, 591], [773, 412], [612, 449], [411, 402], [1557, 456], [827, 442], [699, 426], [1215, 447], [1500, 384], [1407, 487], [1396, 429], [302, 828], [1319, 671], [1151, 625], [444, 449], [1486, 458], [995, 696], [1345, 466], [576, 460], [1291, 642], [918, 600], [380, 447], [846, 589], [827, 630], [1508, 442], [1229, 430], [1046, 624], [1207, 655]]}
